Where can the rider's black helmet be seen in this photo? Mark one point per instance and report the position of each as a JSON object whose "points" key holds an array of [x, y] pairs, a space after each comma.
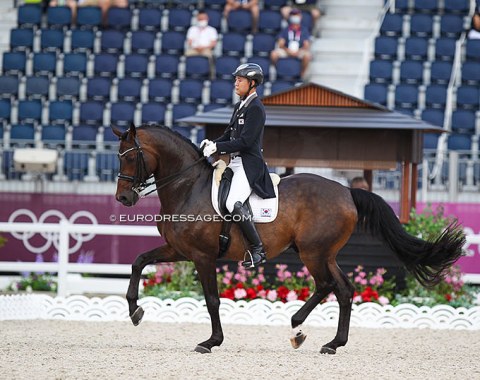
{"points": [[250, 71]]}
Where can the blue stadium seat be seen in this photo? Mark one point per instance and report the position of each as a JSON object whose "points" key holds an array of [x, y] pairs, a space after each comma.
{"points": [[264, 63], [82, 41], [149, 19], [179, 19], [8, 166], [406, 97], [376, 93], [402, 6], [411, 72], [111, 41], [239, 21], [215, 18], [451, 26], [307, 20], [436, 96], [392, 25], [460, 142], [29, 112], [225, 66], [129, 89], [426, 6], [430, 140], [472, 50], [105, 65], [75, 64], [59, 17], [445, 49], [109, 138], [52, 40], [119, 18], [136, 65], [142, 42], [197, 67], [84, 135], [386, 48], [190, 91], [5, 111], [21, 40], [8, 87], [14, 63], [44, 64], [233, 44], [457, 6], [29, 16], [75, 165], [468, 97], [421, 25], [67, 88], [440, 72], [288, 69], [173, 43], [60, 112], [471, 73], [37, 88], [153, 113], [166, 66], [221, 91], [263, 44], [381, 71], [22, 133], [108, 166], [91, 113], [281, 85], [53, 135], [463, 121], [434, 116], [98, 89], [182, 110], [89, 17], [275, 5], [122, 113], [416, 48], [160, 90], [270, 22]]}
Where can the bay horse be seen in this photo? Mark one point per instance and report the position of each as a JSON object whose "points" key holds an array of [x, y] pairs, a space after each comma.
{"points": [[316, 216]]}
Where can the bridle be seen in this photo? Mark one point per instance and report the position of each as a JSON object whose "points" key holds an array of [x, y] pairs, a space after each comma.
{"points": [[138, 185]]}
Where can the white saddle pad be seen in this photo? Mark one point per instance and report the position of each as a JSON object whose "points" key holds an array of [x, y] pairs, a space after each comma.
{"points": [[264, 210]]}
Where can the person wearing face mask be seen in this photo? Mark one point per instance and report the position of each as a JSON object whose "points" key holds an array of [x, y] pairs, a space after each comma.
{"points": [[242, 140], [293, 41], [310, 6], [201, 38]]}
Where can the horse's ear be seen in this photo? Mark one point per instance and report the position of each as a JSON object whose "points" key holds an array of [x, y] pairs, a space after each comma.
{"points": [[132, 131], [117, 132]]}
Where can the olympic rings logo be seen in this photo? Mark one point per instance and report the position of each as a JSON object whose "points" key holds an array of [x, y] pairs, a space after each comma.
{"points": [[51, 237]]}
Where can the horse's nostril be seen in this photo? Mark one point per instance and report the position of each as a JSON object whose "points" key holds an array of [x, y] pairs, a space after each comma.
{"points": [[122, 199]]}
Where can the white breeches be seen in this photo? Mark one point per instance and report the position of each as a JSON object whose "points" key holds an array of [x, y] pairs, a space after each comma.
{"points": [[240, 189]]}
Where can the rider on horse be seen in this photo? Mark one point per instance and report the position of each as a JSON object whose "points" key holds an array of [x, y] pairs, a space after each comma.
{"points": [[243, 141]]}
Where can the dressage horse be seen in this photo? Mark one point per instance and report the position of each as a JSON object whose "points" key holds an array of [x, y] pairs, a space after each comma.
{"points": [[316, 217]]}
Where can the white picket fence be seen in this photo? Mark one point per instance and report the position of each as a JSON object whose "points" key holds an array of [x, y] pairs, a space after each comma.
{"points": [[63, 267]]}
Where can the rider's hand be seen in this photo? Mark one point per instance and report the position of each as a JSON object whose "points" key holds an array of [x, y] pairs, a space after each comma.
{"points": [[204, 142], [209, 149]]}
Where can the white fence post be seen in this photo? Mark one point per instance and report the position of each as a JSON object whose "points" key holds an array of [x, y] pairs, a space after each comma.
{"points": [[63, 248]]}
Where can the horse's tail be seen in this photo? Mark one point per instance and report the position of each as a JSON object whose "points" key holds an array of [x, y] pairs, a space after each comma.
{"points": [[426, 260]]}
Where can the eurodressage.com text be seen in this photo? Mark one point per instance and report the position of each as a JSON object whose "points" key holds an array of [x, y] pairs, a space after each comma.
{"points": [[175, 218]]}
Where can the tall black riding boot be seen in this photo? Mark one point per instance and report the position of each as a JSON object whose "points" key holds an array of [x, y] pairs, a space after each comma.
{"points": [[244, 219]]}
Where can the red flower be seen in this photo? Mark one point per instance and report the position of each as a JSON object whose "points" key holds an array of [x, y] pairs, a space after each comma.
{"points": [[448, 297], [228, 293], [251, 294], [259, 288], [282, 292], [303, 293], [368, 294], [239, 285]]}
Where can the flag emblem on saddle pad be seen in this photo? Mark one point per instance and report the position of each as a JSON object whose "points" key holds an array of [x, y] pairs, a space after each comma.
{"points": [[266, 212]]}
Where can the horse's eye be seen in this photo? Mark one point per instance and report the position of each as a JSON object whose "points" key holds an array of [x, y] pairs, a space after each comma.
{"points": [[129, 158]]}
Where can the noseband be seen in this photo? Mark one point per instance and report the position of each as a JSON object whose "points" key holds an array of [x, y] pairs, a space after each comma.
{"points": [[138, 185]]}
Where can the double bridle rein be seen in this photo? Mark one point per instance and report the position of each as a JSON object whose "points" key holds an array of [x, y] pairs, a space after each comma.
{"points": [[138, 185]]}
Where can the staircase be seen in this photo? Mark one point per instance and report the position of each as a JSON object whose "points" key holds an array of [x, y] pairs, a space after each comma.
{"points": [[338, 53], [8, 20]]}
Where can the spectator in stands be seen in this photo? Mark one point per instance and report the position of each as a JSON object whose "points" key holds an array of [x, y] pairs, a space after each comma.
{"points": [[249, 5], [103, 4], [293, 41], [303, 5], [359, 183], [202, 38], [72, 4], [474, 32]]}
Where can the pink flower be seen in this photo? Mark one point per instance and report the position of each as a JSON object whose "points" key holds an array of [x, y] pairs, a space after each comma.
{"points": [[272, 295], [357, 299], [256, 281], [362, 274], [331, 298], [383, 300], [358, 279], [288, 274], [363, 281], [262, 294], [240, 293], [292, 296], [226, 281]]}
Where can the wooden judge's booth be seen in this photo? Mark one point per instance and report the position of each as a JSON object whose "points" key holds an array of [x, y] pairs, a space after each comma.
{"points": [[315, 126]]}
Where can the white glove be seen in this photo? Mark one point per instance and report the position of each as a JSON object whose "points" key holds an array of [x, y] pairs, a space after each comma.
{"points": [[209, 149], [204, 142]]}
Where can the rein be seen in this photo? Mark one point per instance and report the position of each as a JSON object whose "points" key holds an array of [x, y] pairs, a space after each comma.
{"points": [[143, 184]]}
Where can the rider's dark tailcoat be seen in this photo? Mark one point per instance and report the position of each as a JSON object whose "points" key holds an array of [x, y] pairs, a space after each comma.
{"points": [[244, 136]]}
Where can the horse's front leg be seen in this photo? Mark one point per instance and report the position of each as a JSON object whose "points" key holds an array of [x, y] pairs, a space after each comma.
{"points": [[165, 253], [208, 277]]}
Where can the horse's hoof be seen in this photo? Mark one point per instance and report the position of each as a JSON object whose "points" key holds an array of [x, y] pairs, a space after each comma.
{"points": [[202, 350], [328, 350], [137, 316], [298, 339]]}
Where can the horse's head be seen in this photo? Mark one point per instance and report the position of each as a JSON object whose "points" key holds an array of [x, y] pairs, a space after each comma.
{"points": [[134, 168]]}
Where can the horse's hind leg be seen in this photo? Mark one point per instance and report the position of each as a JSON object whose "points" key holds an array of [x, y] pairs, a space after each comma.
{"points": [[344, 290], [161, 254]]}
